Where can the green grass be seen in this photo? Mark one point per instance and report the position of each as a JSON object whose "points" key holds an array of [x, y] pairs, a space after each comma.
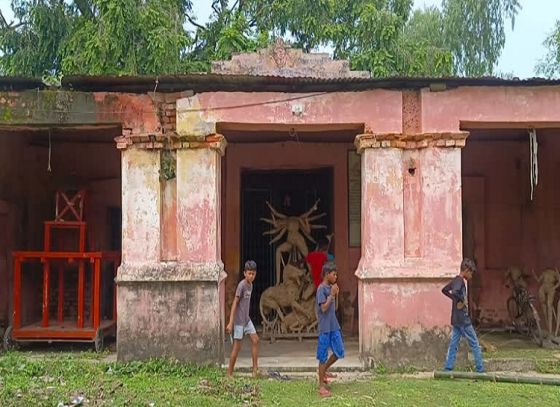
{"points": [[525, 353], [47, 381], [548, 366], [512, 345], [546, 360], [411, 392]]}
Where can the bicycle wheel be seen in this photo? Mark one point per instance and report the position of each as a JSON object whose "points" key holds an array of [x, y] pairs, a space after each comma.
{"points": [[513, 312], [534, 326]]}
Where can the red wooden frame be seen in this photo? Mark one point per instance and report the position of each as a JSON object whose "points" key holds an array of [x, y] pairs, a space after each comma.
{"points": [[47, 258], [69, 215], [50, 225], [70, 205]]}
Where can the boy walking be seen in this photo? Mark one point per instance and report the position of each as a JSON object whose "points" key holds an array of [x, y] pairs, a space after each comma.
{"points": [[460, 321], [240, 322], [330, 335]]}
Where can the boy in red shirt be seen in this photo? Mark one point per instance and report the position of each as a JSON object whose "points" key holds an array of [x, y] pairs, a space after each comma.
{"points": [[316, 259]]}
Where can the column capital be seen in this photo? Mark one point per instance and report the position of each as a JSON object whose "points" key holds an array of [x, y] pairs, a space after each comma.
{"points": [[213, 142], [411, 141], [171, 142]]}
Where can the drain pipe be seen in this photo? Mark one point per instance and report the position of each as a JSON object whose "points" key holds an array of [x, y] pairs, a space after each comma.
{"points": [[498, 377]]}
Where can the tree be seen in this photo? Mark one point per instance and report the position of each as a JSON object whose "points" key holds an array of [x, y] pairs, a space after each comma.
{"points": [[464, 37], [113, 37], [386, 37], [549, 66], [474, 31], [31, 46], [421, 48]]}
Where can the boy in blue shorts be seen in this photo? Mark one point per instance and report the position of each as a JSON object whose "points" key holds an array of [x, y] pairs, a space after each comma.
{"points": [[239, 321], [330, 336]]}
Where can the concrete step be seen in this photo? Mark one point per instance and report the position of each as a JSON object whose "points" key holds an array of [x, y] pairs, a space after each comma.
{"points": [[516, 364], [286, 368]]}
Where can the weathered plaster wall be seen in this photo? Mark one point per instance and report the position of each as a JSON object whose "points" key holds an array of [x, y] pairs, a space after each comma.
{"points": [[444, 111], [378, 110], [509, 229], [406, 323], [411, 230], [411, 244], [412, 216], [141, 206], [137, 114], [198, 206], [169, 289], [418, 210], [174, 319], [280, 59]]}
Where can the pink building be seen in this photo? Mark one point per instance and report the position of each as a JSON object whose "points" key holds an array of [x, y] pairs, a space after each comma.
{"points": [[414, 174]]}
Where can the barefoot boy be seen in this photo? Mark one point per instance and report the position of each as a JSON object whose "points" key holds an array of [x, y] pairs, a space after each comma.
{"points": [[330, 335], [239, 320], [462, 326]]}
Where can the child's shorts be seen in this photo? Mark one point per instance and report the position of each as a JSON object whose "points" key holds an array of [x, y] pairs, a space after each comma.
{"points": [[332, 340], [240, 330]]}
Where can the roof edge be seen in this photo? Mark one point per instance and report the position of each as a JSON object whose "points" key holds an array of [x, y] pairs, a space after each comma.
{"points": [[210, 82]]}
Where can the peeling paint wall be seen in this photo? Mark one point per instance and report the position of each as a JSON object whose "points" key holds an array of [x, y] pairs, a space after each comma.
{"points": [[169, 319], [444, 111], [198, 195], [411, 244], [169, 296], [169, 220], [141, 206], [405, 323], [378, 110], [411, 208]]}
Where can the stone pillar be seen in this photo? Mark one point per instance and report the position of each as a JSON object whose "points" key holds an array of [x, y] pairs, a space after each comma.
{"points": [[169, 288], [411, 245]]}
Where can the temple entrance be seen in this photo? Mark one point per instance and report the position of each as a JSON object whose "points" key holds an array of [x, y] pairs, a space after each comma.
{"points": [[291, 175], [290, 192]]}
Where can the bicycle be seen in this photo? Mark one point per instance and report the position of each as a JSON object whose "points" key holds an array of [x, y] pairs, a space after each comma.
{"points": [[524, 315]]}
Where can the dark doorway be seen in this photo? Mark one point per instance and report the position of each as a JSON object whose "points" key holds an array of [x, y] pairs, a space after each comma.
{"points": [[291, 192]]}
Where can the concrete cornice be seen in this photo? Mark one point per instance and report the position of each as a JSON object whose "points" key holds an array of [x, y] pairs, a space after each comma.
{"points": [[172, 142], [411, 141]]}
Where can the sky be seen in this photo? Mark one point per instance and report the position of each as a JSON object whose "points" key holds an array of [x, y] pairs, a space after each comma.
{"points": [[524, 47], [522, 50]]}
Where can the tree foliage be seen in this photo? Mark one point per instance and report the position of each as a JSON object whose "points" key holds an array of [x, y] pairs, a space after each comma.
{"points": [[95, 37], [117, 37], [474, 31], [549, 66]]}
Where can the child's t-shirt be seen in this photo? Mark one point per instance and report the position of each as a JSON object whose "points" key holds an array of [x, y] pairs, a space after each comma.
{"points": [[244, 290], [316, 260], [457, 291], [327, 321]]}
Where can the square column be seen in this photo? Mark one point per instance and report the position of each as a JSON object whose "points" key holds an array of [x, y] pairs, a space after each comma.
{"points": [[411, 245], [171, 279]]}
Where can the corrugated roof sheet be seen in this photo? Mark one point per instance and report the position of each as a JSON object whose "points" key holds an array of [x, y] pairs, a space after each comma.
{"points": [[207, 82]]}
